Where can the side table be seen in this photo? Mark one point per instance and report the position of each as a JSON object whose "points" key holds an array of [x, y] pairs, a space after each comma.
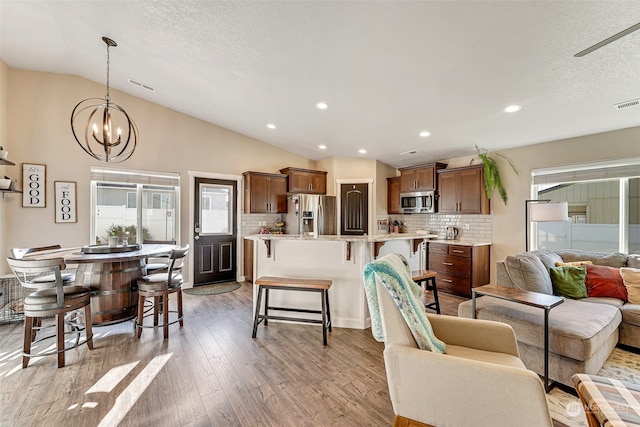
{"points": [[534, 299]]}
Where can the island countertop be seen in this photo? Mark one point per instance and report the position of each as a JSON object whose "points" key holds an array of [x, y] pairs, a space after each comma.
{"points": [[344, 238]]}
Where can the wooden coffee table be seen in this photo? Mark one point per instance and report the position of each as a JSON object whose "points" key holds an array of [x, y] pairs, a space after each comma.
{"points": [[534, 299]]}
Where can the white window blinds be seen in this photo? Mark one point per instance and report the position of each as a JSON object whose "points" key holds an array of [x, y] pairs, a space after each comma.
{"points": [[135, 177], [627, 168]]}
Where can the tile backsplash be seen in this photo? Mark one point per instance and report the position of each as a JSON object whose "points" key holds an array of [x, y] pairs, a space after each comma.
{"points": [[476, 228]]}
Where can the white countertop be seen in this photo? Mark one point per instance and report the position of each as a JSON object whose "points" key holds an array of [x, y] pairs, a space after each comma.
{"points": [[369, 239], [374, 238]]}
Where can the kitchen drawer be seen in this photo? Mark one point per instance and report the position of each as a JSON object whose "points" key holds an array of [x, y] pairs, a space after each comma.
{"points": [[438, 248], [463, 251], [454, 283], [449, 263], [445, 249]]}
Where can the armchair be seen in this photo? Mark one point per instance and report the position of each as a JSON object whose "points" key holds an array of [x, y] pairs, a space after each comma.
{"points": [[479, 381]]}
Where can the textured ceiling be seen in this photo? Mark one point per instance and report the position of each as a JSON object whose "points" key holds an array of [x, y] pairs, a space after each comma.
{"points": [[387, 69]]}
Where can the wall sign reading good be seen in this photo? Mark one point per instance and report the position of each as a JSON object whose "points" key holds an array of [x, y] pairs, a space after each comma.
{"points": [[65, 201], [33, 186]]}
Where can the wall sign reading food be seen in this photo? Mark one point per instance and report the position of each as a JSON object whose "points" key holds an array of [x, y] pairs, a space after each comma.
{"points": [[65, 201]]}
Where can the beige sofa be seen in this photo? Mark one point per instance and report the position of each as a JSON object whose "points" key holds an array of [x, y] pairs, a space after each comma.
{"points": [[582, 333]]}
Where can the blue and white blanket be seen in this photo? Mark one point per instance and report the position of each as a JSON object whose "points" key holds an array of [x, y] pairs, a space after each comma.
{"points": [[393, 272]]}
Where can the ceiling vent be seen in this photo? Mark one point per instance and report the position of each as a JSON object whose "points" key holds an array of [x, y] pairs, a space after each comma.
{"points": [[142, 85], [627, 104], [409, 153]]}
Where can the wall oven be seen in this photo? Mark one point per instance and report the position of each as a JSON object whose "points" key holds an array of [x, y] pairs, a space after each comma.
{"points": [[418, 202]]}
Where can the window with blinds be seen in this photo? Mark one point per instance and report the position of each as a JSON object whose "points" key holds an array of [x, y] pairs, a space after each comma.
{"points": [[138, 205], [603, 199]]}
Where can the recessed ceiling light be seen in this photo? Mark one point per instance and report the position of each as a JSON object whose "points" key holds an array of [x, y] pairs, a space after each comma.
{"points": [[271, 126], [424, 133], [322, 147], [512, 108], [322, 105], [362, 151]]}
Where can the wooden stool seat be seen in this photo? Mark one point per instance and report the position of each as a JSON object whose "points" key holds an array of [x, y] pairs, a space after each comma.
{"points": [[293, 284], [427, 280]]}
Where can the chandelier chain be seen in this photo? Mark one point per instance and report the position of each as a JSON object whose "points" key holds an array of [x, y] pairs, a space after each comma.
{"points": [[108, 98]]}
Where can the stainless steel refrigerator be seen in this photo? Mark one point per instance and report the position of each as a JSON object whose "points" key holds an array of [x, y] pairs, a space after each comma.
{"points": [[311, 214]]}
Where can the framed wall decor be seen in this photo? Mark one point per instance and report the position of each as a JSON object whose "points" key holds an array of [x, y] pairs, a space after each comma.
{"points": [[34, 186], [65, 192]]}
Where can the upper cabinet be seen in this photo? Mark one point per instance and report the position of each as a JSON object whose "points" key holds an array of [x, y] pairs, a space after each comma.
{"points": [[393, 195], [265, 193], [461, 190], [306, 181], [420, 178]]}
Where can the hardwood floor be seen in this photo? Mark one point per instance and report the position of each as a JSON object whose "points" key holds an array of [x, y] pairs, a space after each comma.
{"points": [[210, 373]]}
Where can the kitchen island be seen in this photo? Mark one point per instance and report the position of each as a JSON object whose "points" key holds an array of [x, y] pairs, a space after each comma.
{"points": [[337, 258]]}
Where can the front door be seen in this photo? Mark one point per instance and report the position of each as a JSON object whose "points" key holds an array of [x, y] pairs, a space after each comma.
{"points": [[215, 231], [354, 205]]}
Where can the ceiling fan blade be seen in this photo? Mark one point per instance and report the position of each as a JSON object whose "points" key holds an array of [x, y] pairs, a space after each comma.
{"points": [[608, 40]]}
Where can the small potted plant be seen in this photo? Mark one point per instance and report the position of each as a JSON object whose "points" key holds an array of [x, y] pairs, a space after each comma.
{"points": [[113, 239]]}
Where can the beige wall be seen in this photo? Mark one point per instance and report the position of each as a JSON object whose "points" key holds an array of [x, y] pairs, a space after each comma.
{"points": [[39, 132]]}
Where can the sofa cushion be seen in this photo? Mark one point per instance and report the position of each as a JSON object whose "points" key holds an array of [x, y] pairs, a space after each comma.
{"points": [[631, 314], [577, 329], [605, 300], [526, 272], [631, 280], [603, 281], [569, 281], [599, 258], [548, 258]]}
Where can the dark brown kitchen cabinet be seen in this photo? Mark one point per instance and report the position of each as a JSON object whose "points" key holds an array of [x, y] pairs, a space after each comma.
{"points": [[460, 267], [305, 181], [393, 195], [265, 193], [461, 190], [420, 178]]}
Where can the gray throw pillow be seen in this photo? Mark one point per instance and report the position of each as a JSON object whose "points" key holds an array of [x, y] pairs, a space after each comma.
{"points": [[528, 273], [548, 258]]}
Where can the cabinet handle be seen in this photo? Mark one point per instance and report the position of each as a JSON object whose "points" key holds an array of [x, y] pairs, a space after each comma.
{"points": [[447, 263], [447, 280], [458, 251]]}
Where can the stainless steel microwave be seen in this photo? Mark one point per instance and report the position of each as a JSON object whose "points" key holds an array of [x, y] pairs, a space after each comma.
{"points": [[418, 202]]}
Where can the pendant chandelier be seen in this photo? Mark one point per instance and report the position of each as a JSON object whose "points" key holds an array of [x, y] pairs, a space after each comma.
{"points": [[102, 128]]}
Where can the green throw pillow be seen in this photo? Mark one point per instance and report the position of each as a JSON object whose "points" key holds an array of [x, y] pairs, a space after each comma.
{"points": [[569, 281]]}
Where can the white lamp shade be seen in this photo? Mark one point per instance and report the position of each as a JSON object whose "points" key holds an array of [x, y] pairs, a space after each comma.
{"points": [[544, 212]]}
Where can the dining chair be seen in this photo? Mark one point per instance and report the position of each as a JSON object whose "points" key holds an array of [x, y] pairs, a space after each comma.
{"points": [[159, 286], [51, 299], [157, 264], [19, 253]]}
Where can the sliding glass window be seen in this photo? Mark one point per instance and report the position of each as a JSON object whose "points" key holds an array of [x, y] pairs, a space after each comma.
{"points": [[139, 205], [603, 207]]}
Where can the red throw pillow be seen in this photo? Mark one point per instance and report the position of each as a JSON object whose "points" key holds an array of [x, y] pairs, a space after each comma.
{"points": [[603, 281]]}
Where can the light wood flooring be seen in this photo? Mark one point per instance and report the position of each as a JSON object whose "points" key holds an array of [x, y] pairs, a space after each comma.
{"points": [[210, 373]]}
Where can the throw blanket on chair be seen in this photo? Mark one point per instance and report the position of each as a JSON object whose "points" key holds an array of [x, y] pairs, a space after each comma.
{"points": [[393, 272]]}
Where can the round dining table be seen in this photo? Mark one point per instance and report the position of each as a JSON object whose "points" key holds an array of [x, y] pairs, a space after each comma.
{"points": [[112, 276]]}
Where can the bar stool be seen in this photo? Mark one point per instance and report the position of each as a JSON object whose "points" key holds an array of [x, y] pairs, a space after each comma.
{"points": [[292, 284], [427, 280], [159, 286], [51, 299]]}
